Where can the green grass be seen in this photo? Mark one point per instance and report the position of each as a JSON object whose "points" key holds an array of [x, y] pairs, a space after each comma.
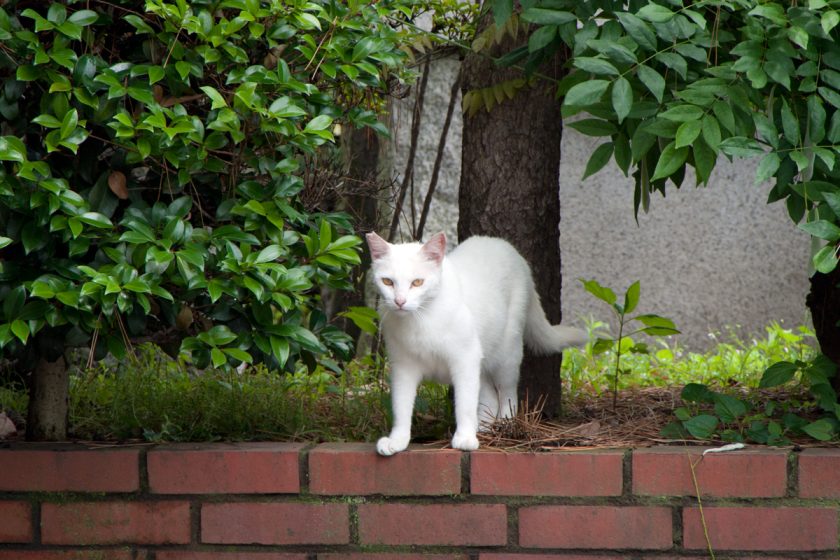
{"points": [[155, 398], [731, 361]]}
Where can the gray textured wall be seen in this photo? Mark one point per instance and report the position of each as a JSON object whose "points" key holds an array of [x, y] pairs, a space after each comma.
{"points": [[709, 258]]}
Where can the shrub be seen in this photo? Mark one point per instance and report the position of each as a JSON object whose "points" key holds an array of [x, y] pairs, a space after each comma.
{"points": [[154, 157]]}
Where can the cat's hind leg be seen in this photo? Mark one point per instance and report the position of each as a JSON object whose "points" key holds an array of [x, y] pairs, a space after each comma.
{"points": [[488, 404]]}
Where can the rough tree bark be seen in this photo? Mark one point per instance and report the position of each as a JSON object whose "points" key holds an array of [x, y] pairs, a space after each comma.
{"points": [[824, 304], [49, 385], [510, 189]]}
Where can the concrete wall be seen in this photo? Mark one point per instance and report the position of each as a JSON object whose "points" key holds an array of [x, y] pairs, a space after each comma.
{"points": [[709, 258]]}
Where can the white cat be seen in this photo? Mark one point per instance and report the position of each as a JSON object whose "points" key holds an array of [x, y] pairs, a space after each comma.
{"points": [[459, 319]]}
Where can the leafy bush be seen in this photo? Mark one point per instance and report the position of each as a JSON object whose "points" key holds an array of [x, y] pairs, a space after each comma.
{"points": [[154, 157]]}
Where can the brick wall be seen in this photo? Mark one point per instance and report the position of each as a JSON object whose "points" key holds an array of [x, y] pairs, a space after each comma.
{"points": [[269, 501]]}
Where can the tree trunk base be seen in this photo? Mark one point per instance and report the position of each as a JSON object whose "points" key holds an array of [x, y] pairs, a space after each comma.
{"points": [[824, 303], [48, 401]]}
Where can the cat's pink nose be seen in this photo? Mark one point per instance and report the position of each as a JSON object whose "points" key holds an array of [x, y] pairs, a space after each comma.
{"points": [[399, 301]]}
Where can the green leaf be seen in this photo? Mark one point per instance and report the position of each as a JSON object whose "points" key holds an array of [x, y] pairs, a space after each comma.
{"points": [[682, 113], [321, 122], [12, 149], [702, 426], [157, 73], [96, 219], [363, 49], [697, 393], [657, 322], [729, 408], [830, 95], [215, 97], [21, 330], [622, 98], [218, 357], [600, 157], [586, 93], [594, 127], [595, 65], [269, 254], [825, 260], [821, 430], [816, 119], [545, 16], [711, 132], [502, 10], [238, 354], [687, 133], [638, 30], [280, 349], [652, 80], [541, 37], [220, 335], [69, 123], [790, 124], [601, 292], [741, 146], [308, 21], [83, 17], [57, 13], [655, 13], [631, 297], [829, 21], [822, 229], [670, 160], [767, 167]]}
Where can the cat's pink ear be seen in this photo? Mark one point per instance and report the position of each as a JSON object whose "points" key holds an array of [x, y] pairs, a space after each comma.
{"points": [[378, 246], [435, 248]]}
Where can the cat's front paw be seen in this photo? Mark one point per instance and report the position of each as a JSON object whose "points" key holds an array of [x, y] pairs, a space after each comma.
{"points": [[387, 446], [465, 442]]}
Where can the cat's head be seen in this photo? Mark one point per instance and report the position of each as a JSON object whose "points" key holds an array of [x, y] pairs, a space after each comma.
{"points": [[407, 274]]}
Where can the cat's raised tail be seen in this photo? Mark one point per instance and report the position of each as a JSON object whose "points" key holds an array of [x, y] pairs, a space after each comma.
{"points": [[544, 338]]}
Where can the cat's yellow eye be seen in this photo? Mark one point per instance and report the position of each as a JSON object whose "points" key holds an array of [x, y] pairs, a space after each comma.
{"points": [[387, 281], [417, 283]]}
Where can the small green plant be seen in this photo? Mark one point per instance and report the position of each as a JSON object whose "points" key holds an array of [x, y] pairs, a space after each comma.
{"points": [[653, 325], [711, 414]]}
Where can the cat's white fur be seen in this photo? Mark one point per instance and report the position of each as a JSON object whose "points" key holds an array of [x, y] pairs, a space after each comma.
{"points": [[459, 319]]}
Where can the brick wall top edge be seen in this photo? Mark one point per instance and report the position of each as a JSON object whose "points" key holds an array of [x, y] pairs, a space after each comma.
{"points": [[268, 446], [698, 450], [361, 447]]}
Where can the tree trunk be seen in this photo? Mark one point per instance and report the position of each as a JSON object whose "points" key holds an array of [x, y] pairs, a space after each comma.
{"points": [[824, 303], [48, 401], [510, 189]]}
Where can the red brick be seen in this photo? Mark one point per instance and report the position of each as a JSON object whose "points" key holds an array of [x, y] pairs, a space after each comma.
{"points": [[98, 554], [752, 473], [116, 523], [356, 469], [76, 470], [275, 523], [596, 527], [761, 528], [15, 522], [438, 524], [187, 555], [818, 473], [507, 556], [389, 556], [546, 474], [246, 468]]}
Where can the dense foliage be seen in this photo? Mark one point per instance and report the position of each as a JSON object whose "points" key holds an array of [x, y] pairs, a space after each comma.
{"points": [[673, 84], [156, 160]]}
